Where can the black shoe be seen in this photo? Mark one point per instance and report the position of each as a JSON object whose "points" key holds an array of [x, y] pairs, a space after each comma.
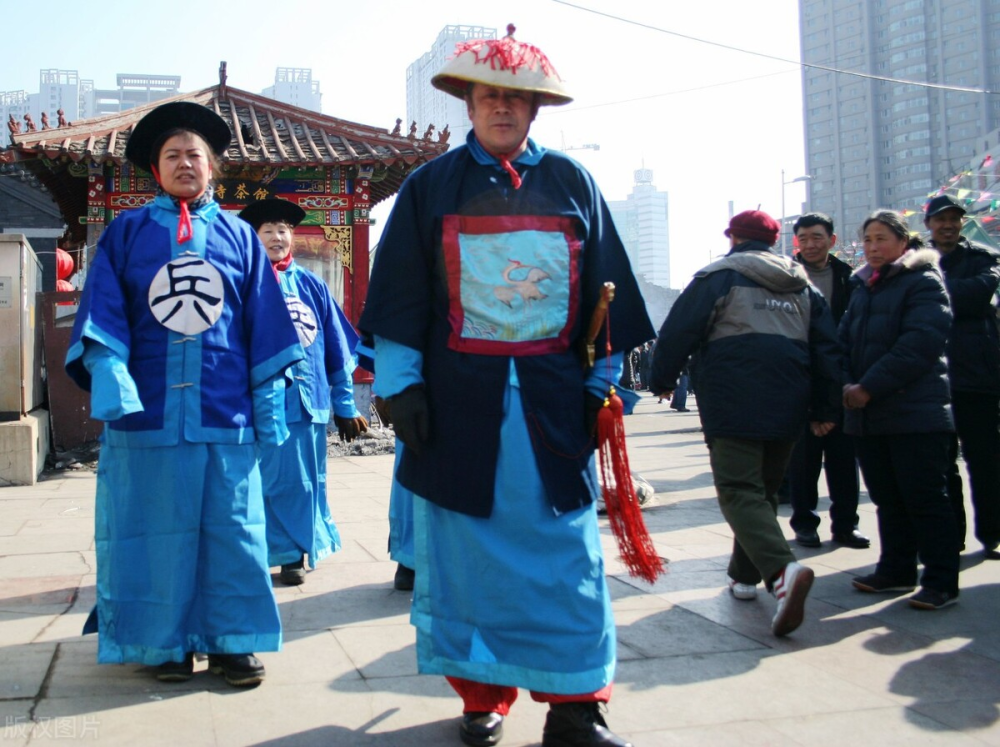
{"points": [[480, 728], [578, 725], [930, 599], [855, 539], [240, 670], [404, 578], [808, 539], [876, 584], [293, 574], [176, 671]]}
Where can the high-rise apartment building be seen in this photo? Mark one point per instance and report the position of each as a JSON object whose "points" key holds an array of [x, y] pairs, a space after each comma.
{"points": [[295, 86], [426, 105], [872, 143], [642, 221]]}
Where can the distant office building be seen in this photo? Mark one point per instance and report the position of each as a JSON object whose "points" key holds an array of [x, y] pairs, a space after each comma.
{"points": [[79, 99], [642, 221], [426, 105], [132, 91], [295, 86], [876, 144]]}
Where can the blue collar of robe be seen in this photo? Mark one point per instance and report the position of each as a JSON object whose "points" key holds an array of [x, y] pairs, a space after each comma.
{"points": [[530, 157]]}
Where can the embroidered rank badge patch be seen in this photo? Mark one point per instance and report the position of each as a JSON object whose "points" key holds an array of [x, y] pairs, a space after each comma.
{"points": [[186, 295], [512, 283], [303, 319]]}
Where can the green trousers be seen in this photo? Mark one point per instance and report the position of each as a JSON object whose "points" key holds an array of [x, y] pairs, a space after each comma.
{"points": [[747, 476]]}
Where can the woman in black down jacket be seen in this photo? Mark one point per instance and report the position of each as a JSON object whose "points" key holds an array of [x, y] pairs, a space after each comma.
{"points": [[897, 402]]}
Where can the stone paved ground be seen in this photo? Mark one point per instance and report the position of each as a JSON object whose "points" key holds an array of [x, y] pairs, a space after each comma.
{"points": [[696, 666]]}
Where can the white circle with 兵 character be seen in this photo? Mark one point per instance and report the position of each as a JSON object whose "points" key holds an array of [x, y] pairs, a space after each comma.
{"points": [[186, 296]]}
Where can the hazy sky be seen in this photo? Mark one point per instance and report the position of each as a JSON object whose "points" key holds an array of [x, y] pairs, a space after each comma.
{"points": [[714, 125]]}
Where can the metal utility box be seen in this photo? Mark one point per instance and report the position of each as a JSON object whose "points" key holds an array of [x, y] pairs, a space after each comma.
{"points": [[21, 389]]}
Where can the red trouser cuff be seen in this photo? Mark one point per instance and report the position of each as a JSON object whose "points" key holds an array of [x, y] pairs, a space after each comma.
{"points": [[479, 697]]}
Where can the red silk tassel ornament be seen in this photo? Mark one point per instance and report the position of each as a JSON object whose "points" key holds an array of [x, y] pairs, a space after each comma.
{"points": [[184, 230], [624, 513]]}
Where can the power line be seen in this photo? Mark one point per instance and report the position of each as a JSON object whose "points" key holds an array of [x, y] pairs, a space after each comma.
{"points": [[573, 108], [826, 68]]}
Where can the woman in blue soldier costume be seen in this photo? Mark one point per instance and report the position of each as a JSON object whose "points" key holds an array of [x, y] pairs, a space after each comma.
{"points": [[176, 340], [294, 473], [486, 278]]}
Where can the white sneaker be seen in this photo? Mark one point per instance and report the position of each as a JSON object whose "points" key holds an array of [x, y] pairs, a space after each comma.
{"points": [[742, 591], [791, 589]]}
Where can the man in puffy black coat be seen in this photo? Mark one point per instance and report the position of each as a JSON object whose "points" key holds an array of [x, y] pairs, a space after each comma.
{"points": [[834, 452], [764, 363], [971, 275]]}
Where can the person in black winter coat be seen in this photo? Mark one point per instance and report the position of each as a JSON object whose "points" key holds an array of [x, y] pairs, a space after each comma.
{"points": [[833, 453], [896, 401], [971, 275], [765, 363]]}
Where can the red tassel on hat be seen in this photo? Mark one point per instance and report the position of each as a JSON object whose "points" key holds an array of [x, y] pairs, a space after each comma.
{"points": [[624, 513]]}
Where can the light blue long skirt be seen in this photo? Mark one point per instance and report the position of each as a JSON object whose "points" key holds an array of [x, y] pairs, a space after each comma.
{"points": [[520, 598], [181, 554], [401, 520], [295, 500]]}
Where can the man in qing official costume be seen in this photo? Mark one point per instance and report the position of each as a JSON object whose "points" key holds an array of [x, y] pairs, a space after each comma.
{"points": [[486, 278], [294, 473], [177, 342]]}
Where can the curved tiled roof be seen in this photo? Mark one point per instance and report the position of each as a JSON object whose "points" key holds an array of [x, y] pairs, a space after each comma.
{"points": [[266, 132]]}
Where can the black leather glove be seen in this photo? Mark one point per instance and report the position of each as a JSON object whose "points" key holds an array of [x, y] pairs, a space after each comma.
{"points": [[350, 428], [592, 405], [383, 410], [411, 417]]}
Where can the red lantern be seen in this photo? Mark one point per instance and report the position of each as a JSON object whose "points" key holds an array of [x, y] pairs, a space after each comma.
{"points": [[64, 265], [64, 285]]}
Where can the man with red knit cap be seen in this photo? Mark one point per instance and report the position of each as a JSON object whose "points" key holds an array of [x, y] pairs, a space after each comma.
{"points": [[764, 361], [487, 274]]}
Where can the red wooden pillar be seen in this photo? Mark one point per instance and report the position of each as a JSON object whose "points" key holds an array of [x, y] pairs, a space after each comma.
{"points": [[357, 282]]}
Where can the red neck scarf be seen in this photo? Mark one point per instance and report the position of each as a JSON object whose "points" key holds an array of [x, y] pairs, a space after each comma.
{"points": [[185, 232], [282, 265], [505, 164]]}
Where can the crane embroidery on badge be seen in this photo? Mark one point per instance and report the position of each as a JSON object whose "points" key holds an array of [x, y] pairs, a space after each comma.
{"points": [[303, 319], [186, 295], [523, 284]]}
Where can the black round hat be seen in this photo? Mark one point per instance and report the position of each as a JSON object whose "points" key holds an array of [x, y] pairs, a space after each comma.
{"points": [[272, 210], [185, 115]]}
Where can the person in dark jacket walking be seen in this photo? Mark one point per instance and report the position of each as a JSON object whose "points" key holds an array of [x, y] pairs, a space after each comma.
{"points": [[765, 362], [896, 401], [833, 452], [971, 275]]}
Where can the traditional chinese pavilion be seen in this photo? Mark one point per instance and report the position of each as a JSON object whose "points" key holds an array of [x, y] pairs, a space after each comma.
{"points": [[334, 169]]}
